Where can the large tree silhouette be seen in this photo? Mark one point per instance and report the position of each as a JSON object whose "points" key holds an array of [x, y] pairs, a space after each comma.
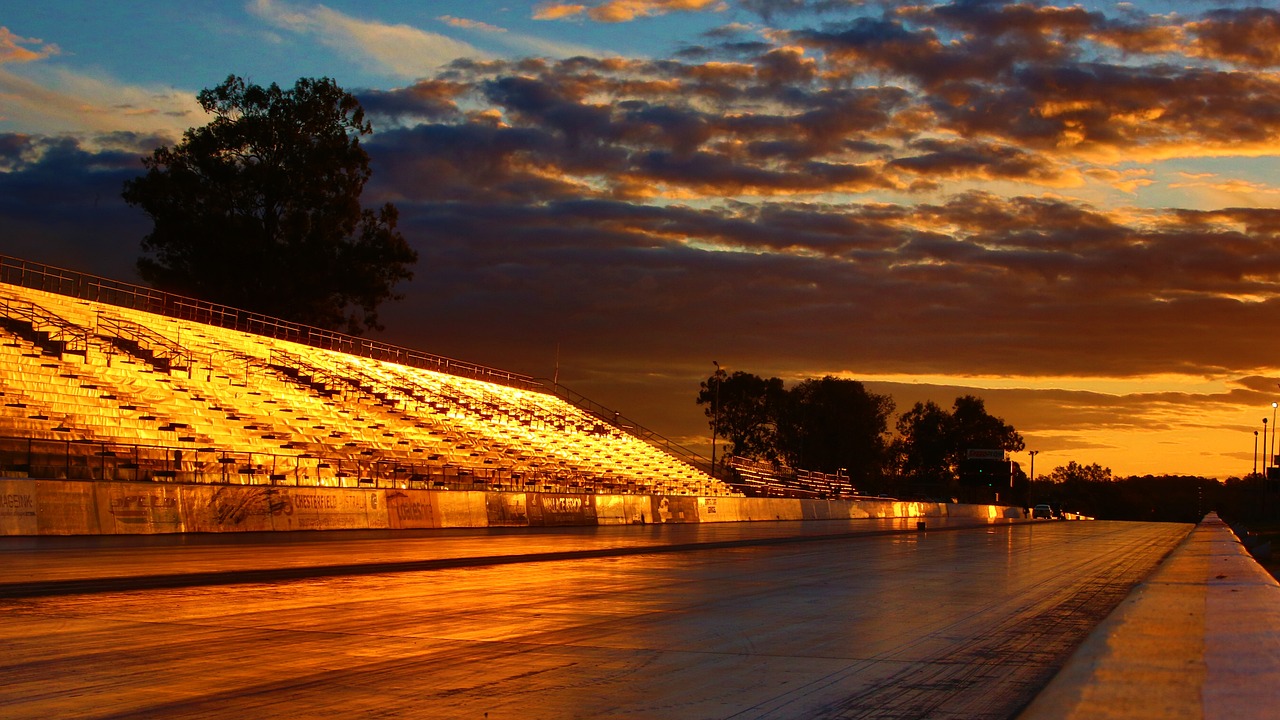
{"points": [[743, 410], [932, 442], [925, 446], [260, 209], [833, 424], [828, 424]]}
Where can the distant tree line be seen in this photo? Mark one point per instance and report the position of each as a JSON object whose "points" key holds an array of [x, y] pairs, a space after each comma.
{"points": [[1091, 490], [835, 425], [1250, 502]]}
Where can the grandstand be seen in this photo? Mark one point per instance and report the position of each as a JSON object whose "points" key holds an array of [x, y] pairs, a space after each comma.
{"points": [[108, 381], [764, 479]]}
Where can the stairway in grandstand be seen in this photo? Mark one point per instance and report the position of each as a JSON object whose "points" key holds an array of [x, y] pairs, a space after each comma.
{"points": [[94, 390]]}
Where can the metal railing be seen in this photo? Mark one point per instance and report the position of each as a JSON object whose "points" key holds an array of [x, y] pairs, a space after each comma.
{"points": [[97, 460], [627, 425], [767, 479], [71, 338], [38, 276], [321, 380], [149, 344]]}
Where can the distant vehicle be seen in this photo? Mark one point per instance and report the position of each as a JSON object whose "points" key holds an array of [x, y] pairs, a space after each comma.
{"points": [[1042, 511]]}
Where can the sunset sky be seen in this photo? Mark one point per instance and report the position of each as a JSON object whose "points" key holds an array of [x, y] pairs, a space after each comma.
{"points": [[1066, 209]]}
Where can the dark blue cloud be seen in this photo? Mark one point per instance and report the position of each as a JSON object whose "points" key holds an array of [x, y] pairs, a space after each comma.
{"points": [[60, 202]]}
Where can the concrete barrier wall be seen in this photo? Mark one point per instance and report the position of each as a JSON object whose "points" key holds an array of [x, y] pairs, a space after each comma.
{"points": [[330, 509], [624, 509], [461, 509], [721, 509], [229, 508], [506, 509], [137, 508], [561, 509], [412, 509], [69, 507], [65, 507]]}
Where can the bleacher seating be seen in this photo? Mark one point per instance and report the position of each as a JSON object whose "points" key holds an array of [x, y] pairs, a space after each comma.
{"points": [[94, 390], [764, 479]]}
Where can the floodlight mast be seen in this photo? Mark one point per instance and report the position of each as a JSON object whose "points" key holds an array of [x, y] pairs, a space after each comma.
{"points": [[1255, 453], [1264, 446], [715, 416], [1272, 454], [1032, 480]]}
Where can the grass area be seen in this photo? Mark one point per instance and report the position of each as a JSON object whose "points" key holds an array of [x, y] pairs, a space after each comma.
{"points": [[1256, 537]]}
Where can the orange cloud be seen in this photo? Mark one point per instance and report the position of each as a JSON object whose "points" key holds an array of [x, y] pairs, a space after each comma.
{"points": [[470, 24], [12, 50], [557, 10], [615, 11], [1126, 181]]}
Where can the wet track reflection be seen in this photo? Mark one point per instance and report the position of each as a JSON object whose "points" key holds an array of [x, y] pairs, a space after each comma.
{"points": [[258, 556], [957, 624]]}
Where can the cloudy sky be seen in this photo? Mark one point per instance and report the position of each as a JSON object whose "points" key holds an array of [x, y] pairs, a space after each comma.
{"points": [[1067, 209]]}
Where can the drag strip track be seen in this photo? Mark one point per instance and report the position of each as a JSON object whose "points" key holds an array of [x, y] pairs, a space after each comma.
{"points": [[161, 580], [1017, 652], [965, 624]]}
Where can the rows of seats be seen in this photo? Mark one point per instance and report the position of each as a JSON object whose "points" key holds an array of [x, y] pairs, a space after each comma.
{"points": [[765, 480], [165, 398]]}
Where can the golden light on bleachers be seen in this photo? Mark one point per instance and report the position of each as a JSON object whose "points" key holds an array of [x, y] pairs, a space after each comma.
{"points": [[764, 479], [100, 391]]}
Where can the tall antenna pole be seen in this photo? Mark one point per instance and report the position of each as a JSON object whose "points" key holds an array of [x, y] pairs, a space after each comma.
{"points": [[715, 416], [1272, 455]]}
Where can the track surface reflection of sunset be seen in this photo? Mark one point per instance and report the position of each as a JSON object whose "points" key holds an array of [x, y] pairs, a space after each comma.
{"points": [[967, 623]]}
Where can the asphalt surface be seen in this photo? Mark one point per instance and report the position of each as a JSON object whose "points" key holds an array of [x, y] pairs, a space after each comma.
{"points": [[51, 565], [733, 621]]}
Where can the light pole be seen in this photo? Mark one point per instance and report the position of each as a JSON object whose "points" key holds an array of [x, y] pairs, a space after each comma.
{"points": [[1033, 454], [1272, 455], [715, 416], [1264, 445], [1255, 453]]}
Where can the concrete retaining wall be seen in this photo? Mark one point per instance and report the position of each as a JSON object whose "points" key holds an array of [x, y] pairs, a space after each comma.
{"points": [[69, 507]]}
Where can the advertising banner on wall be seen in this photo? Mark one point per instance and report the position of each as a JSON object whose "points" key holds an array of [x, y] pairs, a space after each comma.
{"points": [[330, 509], [552, 509], [138, 508], [18, 507], [409, 509], [719, 509], [675, 509], [506, 509], [229, 508]]}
